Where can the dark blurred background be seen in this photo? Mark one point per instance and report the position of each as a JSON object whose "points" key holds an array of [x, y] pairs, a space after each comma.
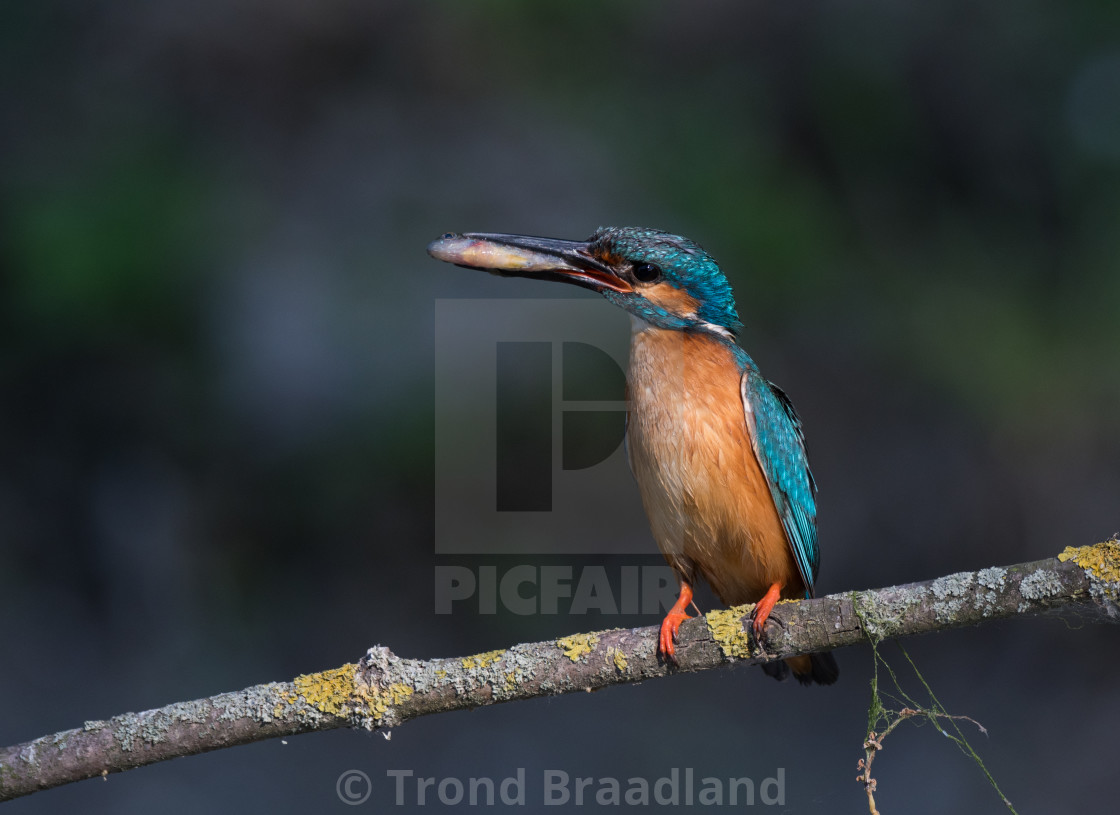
{"points": [[216, 359]]}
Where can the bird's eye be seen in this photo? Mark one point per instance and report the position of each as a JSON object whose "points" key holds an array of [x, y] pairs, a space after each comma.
{"points": [[645, 272]]}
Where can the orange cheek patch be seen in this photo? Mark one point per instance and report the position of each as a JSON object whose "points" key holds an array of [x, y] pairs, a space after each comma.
{"points": [[609, 258], [671, 299]]}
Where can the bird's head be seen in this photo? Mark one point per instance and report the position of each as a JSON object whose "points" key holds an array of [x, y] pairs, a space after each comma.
{"points": [[664, 279]]}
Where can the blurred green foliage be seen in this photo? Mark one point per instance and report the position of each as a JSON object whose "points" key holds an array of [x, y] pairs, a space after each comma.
{"points": [[106, 252]]}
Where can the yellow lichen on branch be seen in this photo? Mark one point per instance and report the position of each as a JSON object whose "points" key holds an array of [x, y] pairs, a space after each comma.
{"points": [[378, 702], [326, 691], [619, 659], [338, 692], [1102, 559], [727, 629], [577, 645], [483, 660]]}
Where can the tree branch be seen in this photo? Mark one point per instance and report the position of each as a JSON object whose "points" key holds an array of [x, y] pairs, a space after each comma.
{"points": [[382, 690]]}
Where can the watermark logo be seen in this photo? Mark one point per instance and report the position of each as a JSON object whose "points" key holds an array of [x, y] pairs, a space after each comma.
{"points": [[353, 787], [529, 419], [525, 589], [551, 787]]}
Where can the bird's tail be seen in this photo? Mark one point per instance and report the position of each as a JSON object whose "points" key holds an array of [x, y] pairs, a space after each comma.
{"points": [[807, 669]]}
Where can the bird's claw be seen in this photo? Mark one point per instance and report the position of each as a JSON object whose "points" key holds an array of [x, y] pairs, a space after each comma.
{"points": [[669, 627], [759, 626], [762, 611]]}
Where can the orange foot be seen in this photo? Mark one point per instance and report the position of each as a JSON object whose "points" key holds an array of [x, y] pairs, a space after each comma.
{"points": [[672, 622], [763, 608]]}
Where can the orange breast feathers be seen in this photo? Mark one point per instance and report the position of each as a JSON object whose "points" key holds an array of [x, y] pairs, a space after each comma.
{"points": [[709, 506]]}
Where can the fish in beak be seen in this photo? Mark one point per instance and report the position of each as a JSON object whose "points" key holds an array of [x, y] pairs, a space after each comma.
{"points": [[524, 256]]}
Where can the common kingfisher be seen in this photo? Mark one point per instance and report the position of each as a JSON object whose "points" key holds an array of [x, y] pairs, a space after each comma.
{"points": [[718, 451]]}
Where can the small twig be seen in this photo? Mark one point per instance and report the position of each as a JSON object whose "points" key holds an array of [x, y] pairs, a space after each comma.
{"points": [[874, 744]]}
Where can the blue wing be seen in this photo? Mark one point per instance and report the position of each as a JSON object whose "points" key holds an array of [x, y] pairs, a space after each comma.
{"points": [[779, 444]]}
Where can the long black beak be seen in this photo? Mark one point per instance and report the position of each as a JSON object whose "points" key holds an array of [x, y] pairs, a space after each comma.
{"points": [[526, 256]]}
